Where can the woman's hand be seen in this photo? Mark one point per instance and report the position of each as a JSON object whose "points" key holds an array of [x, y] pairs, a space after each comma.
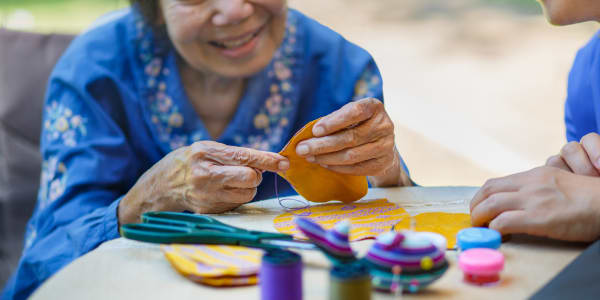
{"points": [[545, 201], [357, 139], [580, 158], [206, 177]]}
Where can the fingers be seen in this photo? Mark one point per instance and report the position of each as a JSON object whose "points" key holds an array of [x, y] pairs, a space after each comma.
{"points": [[576, 158], [212, 176], [239, 156], [355, 155], [509, 222], [377, 127], [591, 145], [347, 116], [493, 206], [365, 168], [556, 161], [492, 186]]}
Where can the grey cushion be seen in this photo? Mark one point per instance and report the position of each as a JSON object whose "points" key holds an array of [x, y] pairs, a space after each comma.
{"points": [[26, 60]]}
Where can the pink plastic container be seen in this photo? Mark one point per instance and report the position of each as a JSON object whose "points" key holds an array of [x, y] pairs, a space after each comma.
{"points": [[481, 266]]}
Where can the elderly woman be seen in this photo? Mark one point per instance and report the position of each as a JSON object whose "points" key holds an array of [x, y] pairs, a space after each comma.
{"points": [[182, 105]]}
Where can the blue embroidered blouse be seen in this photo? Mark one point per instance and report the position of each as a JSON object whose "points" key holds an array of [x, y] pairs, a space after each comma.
{"points": [[582, 109], [115, 106]]}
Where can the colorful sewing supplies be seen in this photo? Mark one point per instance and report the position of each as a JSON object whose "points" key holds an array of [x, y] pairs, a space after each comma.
{"points": [[437, 239], [478, 237], [215, 265], [369, 218], [184, 228], [350, 282], [334, 243], [481, 266], [420, 260], [315, 183], [281, 275]]}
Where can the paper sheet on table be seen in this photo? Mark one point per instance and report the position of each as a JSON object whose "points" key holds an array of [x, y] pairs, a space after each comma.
{"points": [[216, 265], [369, 219]]}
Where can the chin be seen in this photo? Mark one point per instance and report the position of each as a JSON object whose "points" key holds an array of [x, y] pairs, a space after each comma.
{"points": [[559, 12]]}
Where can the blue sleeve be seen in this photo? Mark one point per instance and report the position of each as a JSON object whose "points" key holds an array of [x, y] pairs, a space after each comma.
{"points": [[87, 167], [580, 116]]}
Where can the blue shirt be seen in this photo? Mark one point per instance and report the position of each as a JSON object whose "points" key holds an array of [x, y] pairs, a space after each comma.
{"points": [[116, 105], [582, 108]]}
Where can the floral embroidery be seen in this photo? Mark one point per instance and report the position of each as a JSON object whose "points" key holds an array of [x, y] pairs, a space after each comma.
{"points": [[368, 83], [268, 122], [62, 125], [166, 115], [53, 181], [272, 118]]}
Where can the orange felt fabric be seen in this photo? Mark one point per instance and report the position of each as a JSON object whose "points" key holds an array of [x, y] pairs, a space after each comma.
{"points": [[315, 183]]}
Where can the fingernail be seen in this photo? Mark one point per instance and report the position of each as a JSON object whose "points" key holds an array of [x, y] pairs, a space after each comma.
{"points": [[284, 165], [318, 130], [310, 159], [302, 150]]}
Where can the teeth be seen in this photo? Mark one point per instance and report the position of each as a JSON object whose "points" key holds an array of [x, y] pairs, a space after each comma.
{"points": [[234, 44]]}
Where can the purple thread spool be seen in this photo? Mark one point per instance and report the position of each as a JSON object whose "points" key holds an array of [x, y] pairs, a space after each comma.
{"points": [[281, 275]]}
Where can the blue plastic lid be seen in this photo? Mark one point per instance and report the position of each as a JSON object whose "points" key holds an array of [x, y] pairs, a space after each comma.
{"points": [[478, 237]]}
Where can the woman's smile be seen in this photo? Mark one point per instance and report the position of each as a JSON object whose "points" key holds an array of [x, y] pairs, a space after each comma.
{"points": [[240, 46]]}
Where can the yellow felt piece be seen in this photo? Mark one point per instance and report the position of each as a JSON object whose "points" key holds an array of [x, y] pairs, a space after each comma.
{"points": [[216, 265], [315, 183], [227, 281], [446, 224], [368, 219]]}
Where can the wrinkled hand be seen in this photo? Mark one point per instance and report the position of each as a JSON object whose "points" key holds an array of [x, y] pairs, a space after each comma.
{"points": [[206, 177], [545, 201], [357, 139], [580, 158]]}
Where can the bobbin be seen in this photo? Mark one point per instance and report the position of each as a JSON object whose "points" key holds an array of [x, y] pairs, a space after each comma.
{"points": [[280, 275]]}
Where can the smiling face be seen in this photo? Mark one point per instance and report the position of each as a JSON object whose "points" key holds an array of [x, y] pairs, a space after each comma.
{"points": [[231, 38], [565, 12]]}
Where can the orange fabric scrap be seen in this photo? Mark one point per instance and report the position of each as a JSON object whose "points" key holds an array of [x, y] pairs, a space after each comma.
{"points": [[315, 183]]}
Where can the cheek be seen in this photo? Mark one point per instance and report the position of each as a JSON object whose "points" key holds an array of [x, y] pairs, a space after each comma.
{"points": [[184, 24]]}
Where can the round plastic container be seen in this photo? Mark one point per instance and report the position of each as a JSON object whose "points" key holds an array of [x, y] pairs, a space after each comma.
{"points": [[478, 237], [481, 266]]}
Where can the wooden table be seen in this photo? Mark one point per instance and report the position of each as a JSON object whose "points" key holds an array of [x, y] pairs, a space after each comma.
{"points": [[124, 269]]}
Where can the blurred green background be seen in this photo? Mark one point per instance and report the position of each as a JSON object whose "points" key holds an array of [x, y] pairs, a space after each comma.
{"points": [[71, 16]]}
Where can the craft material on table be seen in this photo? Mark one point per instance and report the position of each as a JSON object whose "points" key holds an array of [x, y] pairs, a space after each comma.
{"points": [[478, 237], [185, 228], [281, 275], [370, 218], [419, 260], [481, 266], [446, 224], [215, 265], [315, 183]]}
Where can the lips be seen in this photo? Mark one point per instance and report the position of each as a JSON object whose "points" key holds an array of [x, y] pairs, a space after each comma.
{"points": [[236, 42]]}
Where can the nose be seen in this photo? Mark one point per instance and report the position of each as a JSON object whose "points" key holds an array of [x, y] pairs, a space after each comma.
{"points": [[231, 12]]}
